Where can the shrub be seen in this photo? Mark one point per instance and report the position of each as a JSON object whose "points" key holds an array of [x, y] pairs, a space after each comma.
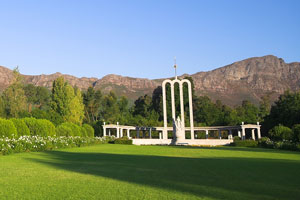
{"points": [[63, 130], [236, 138], [265, 142], [83, 132], [76, 130], [41, 127], [245, 143], [89, 130], [296, 131], [21, 127], [7, 128], [281, 132], [123, 140]]}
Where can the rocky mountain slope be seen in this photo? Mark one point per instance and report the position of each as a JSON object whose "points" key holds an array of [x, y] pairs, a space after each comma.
{"points": [[247, 79]]}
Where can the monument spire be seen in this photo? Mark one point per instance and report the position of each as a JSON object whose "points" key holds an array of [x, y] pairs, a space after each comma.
{"points": [[175, 67]]}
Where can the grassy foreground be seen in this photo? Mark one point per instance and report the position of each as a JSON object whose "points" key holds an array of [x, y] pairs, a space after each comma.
{"points": [[110, 171]]}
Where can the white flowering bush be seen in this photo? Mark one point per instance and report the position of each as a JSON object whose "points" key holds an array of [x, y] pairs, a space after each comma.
{"points": [[28, 143]]}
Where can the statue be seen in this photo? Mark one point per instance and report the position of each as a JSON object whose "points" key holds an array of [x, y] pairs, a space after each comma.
{"points": [[178, 131]]}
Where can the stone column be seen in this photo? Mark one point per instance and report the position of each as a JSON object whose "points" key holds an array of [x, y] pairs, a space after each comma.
{"points": [[239, 133], [206, 134], [121, 132], [258, 133], [160, 135], [128, 133], [104, 129], [165, 131], [253, 134], [243, 133], [150, 136], [118, 132], [190, 106], [181, 103], [173, 102]]}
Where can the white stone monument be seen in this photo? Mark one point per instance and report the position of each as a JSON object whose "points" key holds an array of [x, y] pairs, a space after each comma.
{"points": [[182, 121]]}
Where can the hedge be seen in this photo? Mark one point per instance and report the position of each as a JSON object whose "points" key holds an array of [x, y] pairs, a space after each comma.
{"points": [[7, 128], [21, 127], [41, 127], [63, 130], [123, 140], [245, 143], [89, 130], [83, 132], [76, 130]]}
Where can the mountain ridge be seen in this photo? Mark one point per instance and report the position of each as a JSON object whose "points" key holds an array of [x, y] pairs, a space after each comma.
{"points": [[248, 79]]}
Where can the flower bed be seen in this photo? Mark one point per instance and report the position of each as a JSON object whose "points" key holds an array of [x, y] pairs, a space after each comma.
{"points": [[38, 143]]}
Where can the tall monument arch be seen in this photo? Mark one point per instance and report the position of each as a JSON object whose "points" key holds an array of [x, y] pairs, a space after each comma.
{"points": [[172, 83]]}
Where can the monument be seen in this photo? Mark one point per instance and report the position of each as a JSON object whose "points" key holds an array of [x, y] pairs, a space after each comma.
{"points": [[179, 130], [182, 124]]}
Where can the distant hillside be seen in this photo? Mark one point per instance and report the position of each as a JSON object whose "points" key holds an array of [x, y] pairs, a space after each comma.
{"points": [[247, 79]]}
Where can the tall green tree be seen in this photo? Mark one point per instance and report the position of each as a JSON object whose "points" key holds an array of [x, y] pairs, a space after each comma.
{"points": [[65, 102], [15, 101], [285, 111], [76, 114], [92, 104], [37, 96]]}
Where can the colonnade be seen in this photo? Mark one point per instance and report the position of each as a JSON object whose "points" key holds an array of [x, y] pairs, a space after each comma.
{"points": [[119, 130]]}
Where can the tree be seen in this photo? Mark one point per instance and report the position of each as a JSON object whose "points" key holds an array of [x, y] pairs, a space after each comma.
{"points": [[76, 114], [37, 96], [67, 103], [264, 107], [14, 97], [110, 110], [92, 101], [285, 111], [248, 112], [281, 132]]}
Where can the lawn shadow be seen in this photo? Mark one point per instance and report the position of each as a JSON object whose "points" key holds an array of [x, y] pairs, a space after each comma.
{"points": [[249, 149], [220, 178]]}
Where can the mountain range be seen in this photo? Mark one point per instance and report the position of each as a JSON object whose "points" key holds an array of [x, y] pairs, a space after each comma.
{"points": [[249, 79]]}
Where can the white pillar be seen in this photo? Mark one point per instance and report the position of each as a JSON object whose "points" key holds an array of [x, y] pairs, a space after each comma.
{"points": [[258, 133], [181, 103], [104, 130], [128, 133], [118, 132], [165, 131], [173, 102], [243, 134], [239, 133], [253, 134], [121, 132], [109, 133], [206, 134], [150, 136]]}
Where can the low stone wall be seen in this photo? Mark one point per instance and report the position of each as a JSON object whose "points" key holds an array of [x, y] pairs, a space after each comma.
{"points": [[201, 142]]}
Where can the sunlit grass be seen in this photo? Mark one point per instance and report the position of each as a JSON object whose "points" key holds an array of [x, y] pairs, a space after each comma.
{"points": [[151, 172]]}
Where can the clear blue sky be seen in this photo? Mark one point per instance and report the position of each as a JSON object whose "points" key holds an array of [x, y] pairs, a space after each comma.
{"points": [[140, 38]]}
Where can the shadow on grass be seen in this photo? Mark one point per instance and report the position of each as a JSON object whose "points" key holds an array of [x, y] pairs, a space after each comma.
{"points": [[221, 178], [249, 149]]}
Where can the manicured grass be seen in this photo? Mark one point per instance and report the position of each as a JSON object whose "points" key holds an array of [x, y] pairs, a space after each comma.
{"points": [[113, 171]]}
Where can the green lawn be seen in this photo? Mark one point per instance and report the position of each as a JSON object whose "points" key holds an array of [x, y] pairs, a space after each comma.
{"points": [[151, 172]]}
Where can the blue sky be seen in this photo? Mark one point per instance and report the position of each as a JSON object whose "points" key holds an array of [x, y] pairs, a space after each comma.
{"points": [[140, 38]]}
